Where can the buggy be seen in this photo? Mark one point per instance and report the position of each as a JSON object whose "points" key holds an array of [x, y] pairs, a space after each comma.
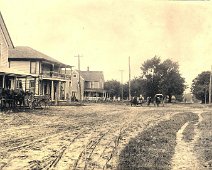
{"points": [[136, 101], [38, 101], [158, 99]]}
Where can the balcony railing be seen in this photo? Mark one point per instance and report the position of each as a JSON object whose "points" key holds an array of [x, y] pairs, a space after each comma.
{"points": [[53, 74]]}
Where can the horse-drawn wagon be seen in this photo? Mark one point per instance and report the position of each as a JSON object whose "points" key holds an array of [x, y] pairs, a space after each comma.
{"points": [[135, 101], [13, 99], [158, 99], [39, 101]]}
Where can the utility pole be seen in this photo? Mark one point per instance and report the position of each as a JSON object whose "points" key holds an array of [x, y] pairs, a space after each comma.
{"points": [[70, 88], [129, 80], [122, 93], [79, 81], [210, 86]]}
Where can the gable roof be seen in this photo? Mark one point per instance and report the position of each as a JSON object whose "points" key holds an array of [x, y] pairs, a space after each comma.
{"points": [[27, 53], [92, 75], [5, 32]]}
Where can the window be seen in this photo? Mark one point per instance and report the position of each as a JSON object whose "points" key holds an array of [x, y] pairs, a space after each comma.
{"points": [[96, 84], [19, 84], [33, 67], [74, 75]]}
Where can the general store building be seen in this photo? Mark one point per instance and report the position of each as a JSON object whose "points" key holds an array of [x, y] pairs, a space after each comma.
{"points": [[49, 76]]}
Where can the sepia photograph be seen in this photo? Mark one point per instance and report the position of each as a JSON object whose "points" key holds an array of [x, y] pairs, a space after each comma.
{"points": [[105, 85]]}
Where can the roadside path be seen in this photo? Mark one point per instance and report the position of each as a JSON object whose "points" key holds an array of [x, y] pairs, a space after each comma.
{"points": [[184, 157]]}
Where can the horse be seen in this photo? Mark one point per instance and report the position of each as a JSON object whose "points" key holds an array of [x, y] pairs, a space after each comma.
{"points": [[19, 96]]}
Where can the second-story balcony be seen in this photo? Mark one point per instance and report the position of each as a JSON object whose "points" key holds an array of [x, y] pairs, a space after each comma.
{"points": [[53, 74]]}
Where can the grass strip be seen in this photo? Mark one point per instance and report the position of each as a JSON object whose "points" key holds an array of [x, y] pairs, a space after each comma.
{"points": [[205, 141], [154, 147], [188, 133]]}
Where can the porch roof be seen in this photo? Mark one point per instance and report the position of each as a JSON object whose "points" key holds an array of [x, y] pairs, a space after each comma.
{"points": [[14, 72]]}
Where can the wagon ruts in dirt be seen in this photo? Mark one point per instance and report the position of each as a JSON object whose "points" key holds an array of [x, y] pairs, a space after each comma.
{"points": [[158, 99]]}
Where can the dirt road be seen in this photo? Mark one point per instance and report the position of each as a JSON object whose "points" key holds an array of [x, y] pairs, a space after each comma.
{"points": [[98, 136]]}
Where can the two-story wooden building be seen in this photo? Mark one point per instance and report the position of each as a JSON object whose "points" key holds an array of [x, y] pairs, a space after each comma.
{"points": [[49, 76], [8, 76]]}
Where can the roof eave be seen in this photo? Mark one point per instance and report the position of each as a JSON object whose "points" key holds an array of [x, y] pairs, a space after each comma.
{"points": [[10, 43]]}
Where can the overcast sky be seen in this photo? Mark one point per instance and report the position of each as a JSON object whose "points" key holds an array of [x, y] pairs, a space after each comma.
{"points": [[107, 32]]}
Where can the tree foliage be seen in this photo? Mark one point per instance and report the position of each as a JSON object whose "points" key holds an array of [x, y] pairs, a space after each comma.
{"points": [[113, 87], [157, 77], [162, 77], [137, 87], [200, 86]]}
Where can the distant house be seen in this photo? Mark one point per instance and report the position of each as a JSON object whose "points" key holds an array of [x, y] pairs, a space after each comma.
{"points": [[49, 76], [75, 88], [92, 84], [8, 76]]}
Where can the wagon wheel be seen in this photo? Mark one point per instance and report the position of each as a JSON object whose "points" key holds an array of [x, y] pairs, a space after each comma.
{"points": [[48, 103], [30, 104], [42, 104], [34, 104]]}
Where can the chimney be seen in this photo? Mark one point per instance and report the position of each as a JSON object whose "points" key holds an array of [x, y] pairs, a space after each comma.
{"points": [[88, 69]]}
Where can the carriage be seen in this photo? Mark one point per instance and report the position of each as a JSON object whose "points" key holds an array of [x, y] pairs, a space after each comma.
{"points": [[158, 99], [135, 101], [16, 99]]}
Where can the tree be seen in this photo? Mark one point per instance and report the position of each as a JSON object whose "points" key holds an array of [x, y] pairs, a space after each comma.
{"points": [[162, 77], [150, 72], [171, 81], [138, 86], [113, 87], [200, 86]]}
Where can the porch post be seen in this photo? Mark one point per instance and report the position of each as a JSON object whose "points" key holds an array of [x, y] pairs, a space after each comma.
{"points": [[58, 90], [43, 88], [65, 86], [3, 82], [36, 86], [15, 82], [52, 90], [25, 83]]}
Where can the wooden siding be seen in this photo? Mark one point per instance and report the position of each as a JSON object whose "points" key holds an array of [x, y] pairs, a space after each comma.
{"points": [[94, 84], [21, 65], [3, 50]]}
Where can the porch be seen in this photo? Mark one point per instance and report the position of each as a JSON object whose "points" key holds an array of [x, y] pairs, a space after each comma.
{"points": [[95, 94]]}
